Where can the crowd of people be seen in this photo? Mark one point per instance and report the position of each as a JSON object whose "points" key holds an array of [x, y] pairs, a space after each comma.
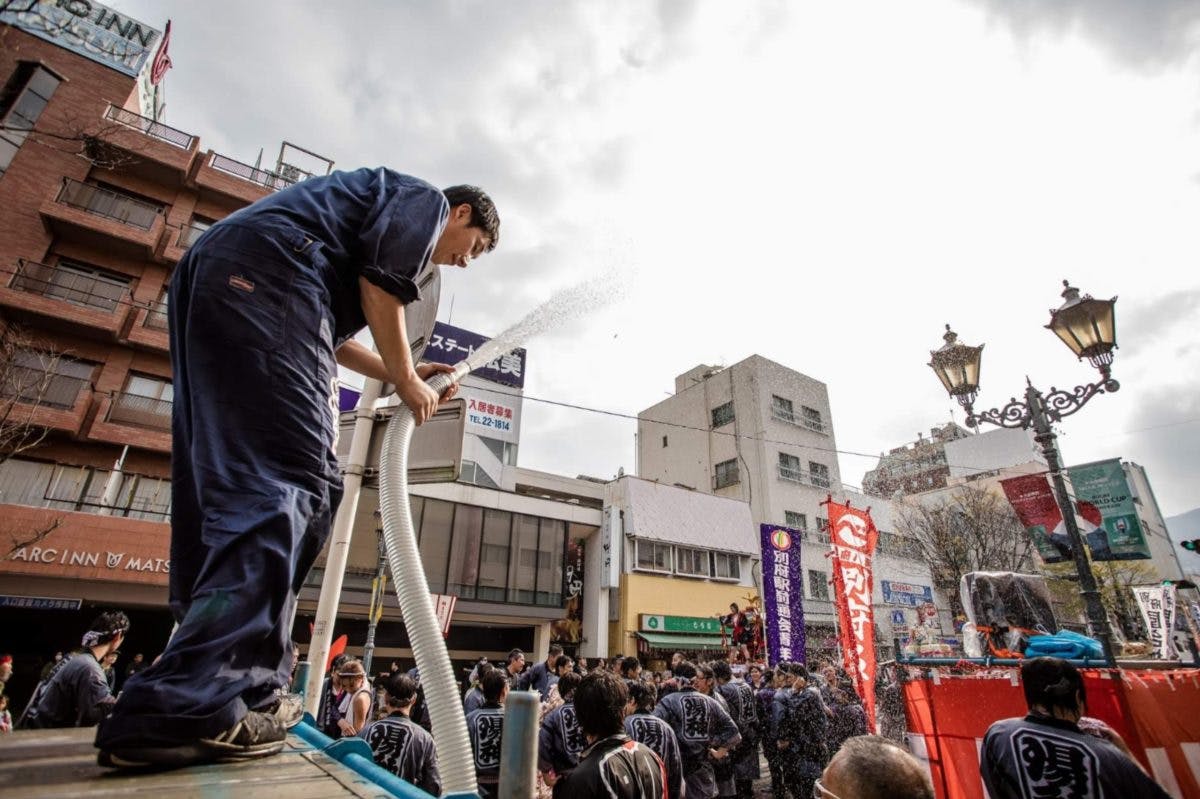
{"points": [[707, 726], [696, 729]]}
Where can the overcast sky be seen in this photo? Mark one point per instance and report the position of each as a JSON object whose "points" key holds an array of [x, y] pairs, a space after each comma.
{"points": [[825, 184]]}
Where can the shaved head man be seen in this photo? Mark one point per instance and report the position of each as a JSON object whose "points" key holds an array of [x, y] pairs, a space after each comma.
{"points": [[873, 767]]}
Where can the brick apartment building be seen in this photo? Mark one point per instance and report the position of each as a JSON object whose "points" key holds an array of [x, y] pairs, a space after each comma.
{"points": [[97, 204]]}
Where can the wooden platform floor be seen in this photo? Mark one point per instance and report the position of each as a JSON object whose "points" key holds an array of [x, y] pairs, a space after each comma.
{"points": [[54, 763]]}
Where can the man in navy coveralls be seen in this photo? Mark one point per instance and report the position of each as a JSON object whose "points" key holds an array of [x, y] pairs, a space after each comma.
{"points": [[262, 308]]}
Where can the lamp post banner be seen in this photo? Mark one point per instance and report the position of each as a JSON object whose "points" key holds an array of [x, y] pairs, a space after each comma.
{"points": [[1102, 489], [1157, 603], [783, 593], [1033, 500], [853, 536]]}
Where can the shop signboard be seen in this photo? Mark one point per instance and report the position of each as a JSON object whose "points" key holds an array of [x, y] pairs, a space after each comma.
{"points": [[87, 28], [906, 594], [39, 603], [696, 625], [449, 345]]}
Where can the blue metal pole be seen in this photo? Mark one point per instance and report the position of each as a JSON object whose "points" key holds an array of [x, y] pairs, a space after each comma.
{"points": [[518, 745]]}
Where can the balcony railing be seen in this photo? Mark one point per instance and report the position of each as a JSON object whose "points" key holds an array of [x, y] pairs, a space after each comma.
{"points": [[142, 411], [64, 283], [109, 204], [784, 415], [41, 388], [189, 234], [797, 475], [263, 177], [156, 317], [151, 128]]}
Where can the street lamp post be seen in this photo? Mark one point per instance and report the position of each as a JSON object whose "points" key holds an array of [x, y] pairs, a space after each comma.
{"points": [[1088, 327]]}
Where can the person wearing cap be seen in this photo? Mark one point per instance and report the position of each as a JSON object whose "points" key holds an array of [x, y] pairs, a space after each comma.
{"points": [[77, 693]]}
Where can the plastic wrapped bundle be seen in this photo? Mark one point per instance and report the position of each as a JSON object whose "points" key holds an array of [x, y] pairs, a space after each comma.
{"points": [[1006, 609]]}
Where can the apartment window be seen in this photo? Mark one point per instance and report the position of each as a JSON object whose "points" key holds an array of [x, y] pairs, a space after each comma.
{"points": [[40, 378], [722, 415], [22, 101], [72, 282], [652, 556], [782, 409], [811, 418], [664, 441], [818, 584], [796, 521], [822, 524], [726, 474], [692, 562], [150, 387], [818, 474], [789, 467], [726, 566]]}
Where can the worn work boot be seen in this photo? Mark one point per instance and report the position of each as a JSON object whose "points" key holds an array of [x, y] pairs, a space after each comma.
{"points": [[288, 708], [256, 735]]}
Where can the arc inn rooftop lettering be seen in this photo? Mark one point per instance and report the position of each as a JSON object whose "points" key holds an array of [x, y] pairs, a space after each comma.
{"points": [[90, 29]]}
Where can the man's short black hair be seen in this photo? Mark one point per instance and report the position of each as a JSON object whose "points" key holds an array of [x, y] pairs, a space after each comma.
{"points": [[643, 694], [685, 669], [629, 664], [516, 654], [799, 670], [1052, 682], [401, 689], [564, 662], [567, 684], [722, 671], [879, 768], [493, 684], [483, 210], [600, 704], [109, 625], [555, 649]]}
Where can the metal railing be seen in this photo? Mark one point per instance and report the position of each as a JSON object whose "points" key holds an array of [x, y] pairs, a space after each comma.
{"points": [[150, 127], [109, 204], [156, 316], [263, 177], [141, 411], [41, 388], [784, 415], [797, 475], [188, 235], [63, 283]]}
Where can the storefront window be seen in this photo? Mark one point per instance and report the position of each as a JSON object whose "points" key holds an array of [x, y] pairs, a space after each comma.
{"points": [[494, 556], [523, 560], [435, 542], [464, 551], [550, 560]]}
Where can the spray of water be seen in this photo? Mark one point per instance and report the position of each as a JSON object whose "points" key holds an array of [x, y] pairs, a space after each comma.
{"points": [[569, 303]]}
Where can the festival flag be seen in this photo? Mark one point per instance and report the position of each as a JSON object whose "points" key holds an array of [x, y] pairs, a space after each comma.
{"points": [[1157, 603], [783, 593], [162, 61], [853, 537]]}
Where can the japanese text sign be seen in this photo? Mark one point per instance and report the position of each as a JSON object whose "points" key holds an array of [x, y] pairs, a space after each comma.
{"points": [[853, 537], [449, 345], [1157, 603], [783, 593]]}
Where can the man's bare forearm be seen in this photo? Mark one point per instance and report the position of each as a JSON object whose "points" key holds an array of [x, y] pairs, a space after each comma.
{"points": [[358, 358], [385, 317]]}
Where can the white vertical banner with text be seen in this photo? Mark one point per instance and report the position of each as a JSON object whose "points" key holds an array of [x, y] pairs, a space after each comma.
{"points": [[1157, 603]]}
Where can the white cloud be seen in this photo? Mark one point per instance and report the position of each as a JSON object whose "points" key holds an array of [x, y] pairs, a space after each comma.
{"points": [[823, 184]]}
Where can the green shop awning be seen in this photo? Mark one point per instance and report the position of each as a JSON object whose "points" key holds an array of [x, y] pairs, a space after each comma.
{"points": [[674, 641]]}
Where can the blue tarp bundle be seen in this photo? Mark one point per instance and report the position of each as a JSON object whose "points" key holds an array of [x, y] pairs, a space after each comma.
{"points": [[1064, 644]]}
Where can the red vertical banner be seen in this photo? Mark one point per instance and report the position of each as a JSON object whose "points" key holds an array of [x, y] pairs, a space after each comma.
{"points": [[853, 537]]}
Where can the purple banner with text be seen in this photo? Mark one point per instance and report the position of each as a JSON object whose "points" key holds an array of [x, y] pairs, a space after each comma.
{"points": [[783, 593]]}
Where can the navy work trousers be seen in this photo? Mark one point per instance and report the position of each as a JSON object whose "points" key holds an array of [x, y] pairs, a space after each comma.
{"points": [[254, 478]]}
